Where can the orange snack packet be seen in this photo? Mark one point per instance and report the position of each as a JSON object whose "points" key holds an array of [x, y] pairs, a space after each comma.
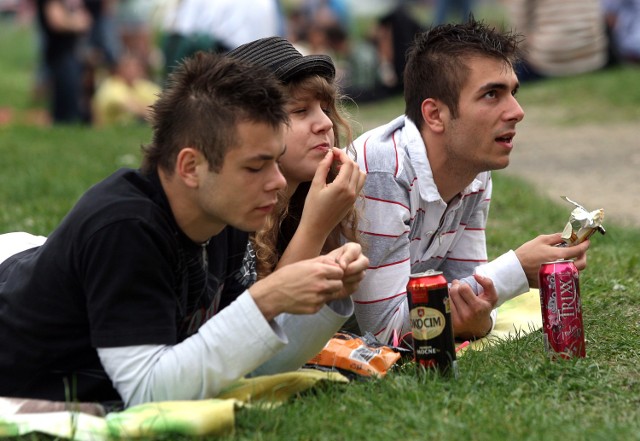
{"points": [[352, 354]]}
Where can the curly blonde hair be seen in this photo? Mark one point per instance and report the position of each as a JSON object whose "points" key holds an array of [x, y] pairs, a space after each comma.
{"points": [[270, 242]]}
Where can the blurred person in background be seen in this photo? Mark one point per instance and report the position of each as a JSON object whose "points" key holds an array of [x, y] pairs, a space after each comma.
{"points": [[562, 38], [371, 68], [320, 12], [623, 25], [104, 38], [309, 24], [217, 26], [446, 9], [100, 50], [356, 62], [125, 96], [64, 23], [394, 34], [134, 22]]}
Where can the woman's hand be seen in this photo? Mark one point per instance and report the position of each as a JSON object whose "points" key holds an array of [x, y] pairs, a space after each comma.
{"points": [[327, 204]]}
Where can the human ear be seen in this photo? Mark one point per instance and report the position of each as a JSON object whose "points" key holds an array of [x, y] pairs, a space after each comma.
{"points": [[432, 114], [187, 163]]}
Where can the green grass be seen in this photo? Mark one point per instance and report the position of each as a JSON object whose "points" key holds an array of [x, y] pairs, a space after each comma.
{"points": [[606, 96], [509, 392], [44, 171], [17, 57]]}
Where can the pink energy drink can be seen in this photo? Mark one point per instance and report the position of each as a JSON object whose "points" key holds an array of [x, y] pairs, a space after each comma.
{"points": [[562, 326]]}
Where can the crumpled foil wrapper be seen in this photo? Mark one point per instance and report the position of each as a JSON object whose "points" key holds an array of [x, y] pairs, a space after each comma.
{"points": [[582, 224]]}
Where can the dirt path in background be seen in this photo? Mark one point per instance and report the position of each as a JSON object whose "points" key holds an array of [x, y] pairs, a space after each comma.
{"points": [[595, 165]]}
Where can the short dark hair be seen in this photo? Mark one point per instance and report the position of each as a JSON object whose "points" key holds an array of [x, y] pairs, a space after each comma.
{"points": [[206, 97], [437, 62]]}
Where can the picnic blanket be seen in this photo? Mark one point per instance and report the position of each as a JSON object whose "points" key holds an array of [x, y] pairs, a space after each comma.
{"points": [[89, 422], [516, 318], [192, 418]]}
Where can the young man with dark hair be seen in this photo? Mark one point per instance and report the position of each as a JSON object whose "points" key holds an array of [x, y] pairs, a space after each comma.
{"points": [[140, 293], [428, 184]]}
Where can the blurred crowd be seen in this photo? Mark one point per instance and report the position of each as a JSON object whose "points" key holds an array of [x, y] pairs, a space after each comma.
{"points": [[102, 62]]}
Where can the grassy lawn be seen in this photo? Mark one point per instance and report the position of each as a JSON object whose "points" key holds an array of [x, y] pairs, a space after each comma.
{"points": [[508, 392]]}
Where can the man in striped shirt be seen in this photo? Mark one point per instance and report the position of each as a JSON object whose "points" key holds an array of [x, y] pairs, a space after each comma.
{"points": [[428, 185]]}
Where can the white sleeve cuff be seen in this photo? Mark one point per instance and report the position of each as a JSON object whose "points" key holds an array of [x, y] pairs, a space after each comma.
{"points": [[307, 335], [494, 317], [507, 275], [341, 307]]}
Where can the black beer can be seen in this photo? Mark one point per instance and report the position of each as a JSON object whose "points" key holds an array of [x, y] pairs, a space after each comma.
{"points": [[430, 317]]}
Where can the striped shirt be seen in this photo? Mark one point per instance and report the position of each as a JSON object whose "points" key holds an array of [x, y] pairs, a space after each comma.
{"points": [[408, 228]]}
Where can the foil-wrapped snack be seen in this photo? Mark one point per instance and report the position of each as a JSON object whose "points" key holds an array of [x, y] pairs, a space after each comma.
{"points": [[582, 224]]}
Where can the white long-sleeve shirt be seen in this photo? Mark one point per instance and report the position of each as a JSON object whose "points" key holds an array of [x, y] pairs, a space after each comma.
{"points": [[235, 342]]}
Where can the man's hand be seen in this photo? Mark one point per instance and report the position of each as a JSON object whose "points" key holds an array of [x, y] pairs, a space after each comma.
{"points": [[542, 249], [471, 313], [299, 288], [354, 263], [305, 287]]}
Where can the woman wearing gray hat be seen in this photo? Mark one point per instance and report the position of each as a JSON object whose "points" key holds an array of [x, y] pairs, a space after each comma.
{"points": [[323, 182]]}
